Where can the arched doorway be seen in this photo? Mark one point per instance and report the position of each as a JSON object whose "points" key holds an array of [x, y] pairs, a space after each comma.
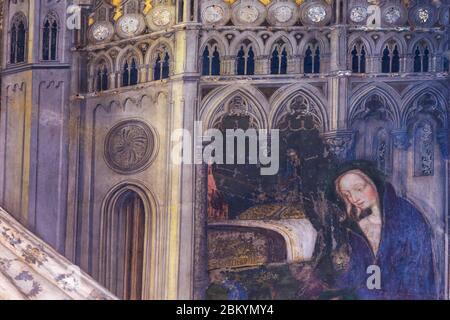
{"points": [[125, 239]]}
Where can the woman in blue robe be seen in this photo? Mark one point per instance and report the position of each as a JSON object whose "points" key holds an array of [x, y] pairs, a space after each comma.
{"points": [[383, 230]]}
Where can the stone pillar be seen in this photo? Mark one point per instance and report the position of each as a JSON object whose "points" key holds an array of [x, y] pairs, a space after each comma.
{"points": [[293, 65], [201, 279], [374, 64], [90, 82], [338, 101], [338, 48], [180, 201], [401, 145], [299, 60], [228, 65], [407, 63], [436, 63], [262, 65], [187, 10], [112, 80], [142, 74], [404, 65], [195, 18]]}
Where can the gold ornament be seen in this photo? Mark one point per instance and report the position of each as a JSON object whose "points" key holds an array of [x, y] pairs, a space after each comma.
{"points": [[148, 6], [407, 3], [117, 4]]}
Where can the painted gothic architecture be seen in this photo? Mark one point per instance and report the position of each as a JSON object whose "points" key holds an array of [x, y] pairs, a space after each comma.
{"points": [[87, 114]]}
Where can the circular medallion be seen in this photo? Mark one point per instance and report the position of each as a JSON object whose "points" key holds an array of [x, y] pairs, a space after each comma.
{"points": [[315, 13], [393, 15], [101, 31], [248, 13], [213, 14], [422, 16], [160, 17], [129, 146], [358, 14], [130, 25], [283, 14]]}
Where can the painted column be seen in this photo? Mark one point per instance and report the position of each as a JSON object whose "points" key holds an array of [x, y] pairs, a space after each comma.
{"points": [[181, 198], [201, 280]]}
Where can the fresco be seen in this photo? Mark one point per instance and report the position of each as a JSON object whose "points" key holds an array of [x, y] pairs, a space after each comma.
{"points": [[115, 152], [367, 241]]}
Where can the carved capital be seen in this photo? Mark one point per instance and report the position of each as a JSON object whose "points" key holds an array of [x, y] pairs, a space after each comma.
{"points": [[339, 143], [401, 139]]}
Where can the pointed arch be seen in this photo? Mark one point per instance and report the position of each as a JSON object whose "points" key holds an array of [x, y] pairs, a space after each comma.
{"points": [[154, 49], [422, 51], [245, 61], [287, 39], [392, 38], [392, 49], [101, 82], [129, 70], [210, 59], [367, 41], [279, 57], [125, 53], [99, 71], [213, 104], [390, 61], [431, 43], [18, 38], [258, 45], [321, 39], [312, 58], [315, 48], [219, 39], [425, 100], [145, 231], [103, 56], [388, 96], [50, 36], [160, 58], [357, 57], [284, 95]]}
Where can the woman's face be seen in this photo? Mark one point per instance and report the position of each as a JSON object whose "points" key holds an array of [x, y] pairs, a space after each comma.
{"points": [[357, 191]]}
